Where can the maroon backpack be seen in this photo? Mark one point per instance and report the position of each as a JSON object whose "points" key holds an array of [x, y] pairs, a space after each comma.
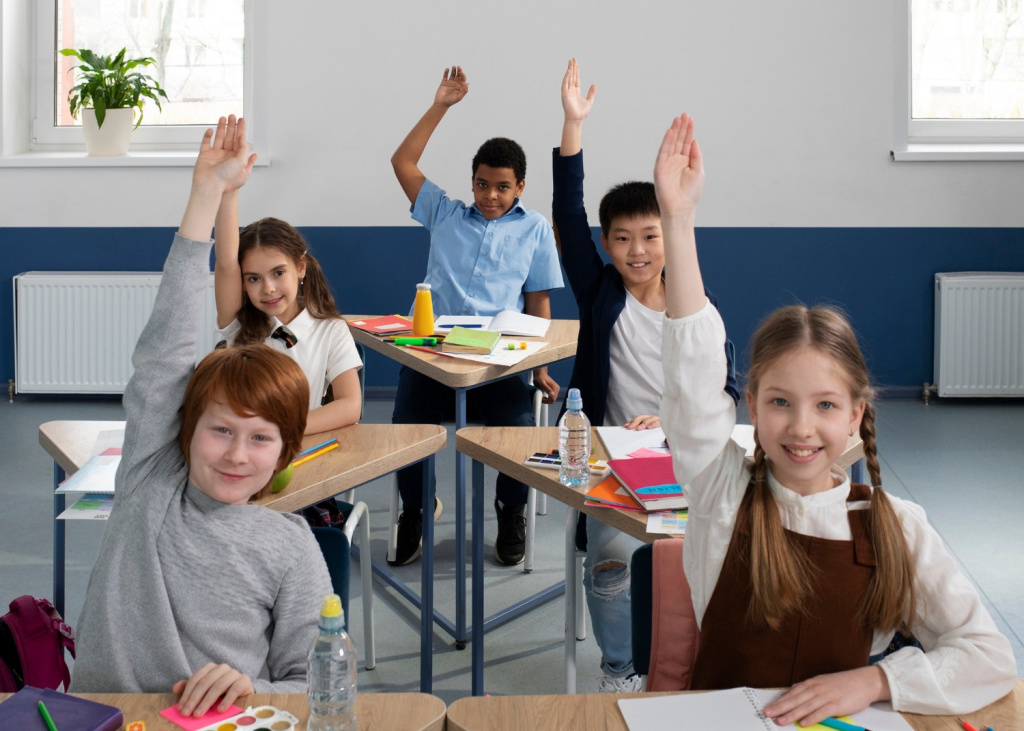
{"points": [[32, 641]]}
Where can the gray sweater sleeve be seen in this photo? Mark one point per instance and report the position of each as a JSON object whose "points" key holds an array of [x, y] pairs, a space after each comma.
{"points": [[164, 359]]}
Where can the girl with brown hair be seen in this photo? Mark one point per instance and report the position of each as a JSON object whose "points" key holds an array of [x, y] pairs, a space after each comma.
{"points": [[798, 576]]}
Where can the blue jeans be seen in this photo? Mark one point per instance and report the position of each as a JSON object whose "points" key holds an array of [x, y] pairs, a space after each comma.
{"points": [[422, 400], [606, 579]]}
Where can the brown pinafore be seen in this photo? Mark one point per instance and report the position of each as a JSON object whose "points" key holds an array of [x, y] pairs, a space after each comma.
{"points": [[823, 637]]}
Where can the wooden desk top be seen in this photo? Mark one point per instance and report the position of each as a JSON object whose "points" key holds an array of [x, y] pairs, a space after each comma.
{"points": [[460, 373], [599, 712], [367, 451], [505, 448], [374, 711]]}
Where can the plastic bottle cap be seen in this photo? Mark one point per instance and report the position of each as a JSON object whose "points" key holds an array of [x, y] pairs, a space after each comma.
{"points": [[331, 606], [575, 401], [423, 285]]}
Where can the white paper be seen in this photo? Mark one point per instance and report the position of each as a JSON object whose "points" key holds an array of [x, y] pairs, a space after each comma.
{"points": [[667, 522], [508, 322], [619, 441], [501, 355], [94, 506], [736, 709], [96, 475]]}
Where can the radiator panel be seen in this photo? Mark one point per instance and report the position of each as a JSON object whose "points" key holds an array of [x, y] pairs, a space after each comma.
{"points": [[979, 334], [75, 331]]}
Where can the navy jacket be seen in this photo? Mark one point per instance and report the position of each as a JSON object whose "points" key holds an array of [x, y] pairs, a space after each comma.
{"points": [[598, 288]]}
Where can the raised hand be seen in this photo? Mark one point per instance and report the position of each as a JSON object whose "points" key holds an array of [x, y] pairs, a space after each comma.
{"points": [[226, 162], [679, 170], [575, 106], [453, 87]]}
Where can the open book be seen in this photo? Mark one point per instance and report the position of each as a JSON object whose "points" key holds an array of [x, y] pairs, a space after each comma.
{"points": [[736, 709], [508, 322]]}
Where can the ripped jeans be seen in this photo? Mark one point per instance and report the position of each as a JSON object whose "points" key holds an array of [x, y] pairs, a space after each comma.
{"points": [[606, 579]]}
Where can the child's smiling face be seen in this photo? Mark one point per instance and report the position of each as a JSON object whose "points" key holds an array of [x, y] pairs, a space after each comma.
{"points": [[271, 281], [804, 412], [232, 457], [636, 248], [495, 190]]}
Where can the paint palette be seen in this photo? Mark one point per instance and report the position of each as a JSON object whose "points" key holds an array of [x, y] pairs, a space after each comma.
{"points": [[261, 718], [551, 460]]}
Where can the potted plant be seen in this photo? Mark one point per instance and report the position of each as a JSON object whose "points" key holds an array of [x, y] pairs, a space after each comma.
{"points": [[109, 90]]}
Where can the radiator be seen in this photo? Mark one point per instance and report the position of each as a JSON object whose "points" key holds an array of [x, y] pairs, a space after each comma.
{"points": [[74, 332], [979, 334]]}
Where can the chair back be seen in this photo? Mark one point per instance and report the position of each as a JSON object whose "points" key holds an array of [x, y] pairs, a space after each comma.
{"points": [[664, 626], [334, 546]]}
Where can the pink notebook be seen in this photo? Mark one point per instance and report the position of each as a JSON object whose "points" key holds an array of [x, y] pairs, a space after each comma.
{"points": [[639, 475]]}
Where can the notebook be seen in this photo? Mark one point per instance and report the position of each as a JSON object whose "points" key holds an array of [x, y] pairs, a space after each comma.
{"points": [[508, 322], [69, 713], [610, 492], [387, 325], [619, 441], [469, 340], [651, 481], [736, 709]]}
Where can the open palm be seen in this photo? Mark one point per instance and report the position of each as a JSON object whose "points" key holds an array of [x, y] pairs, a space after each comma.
{"points": [[227, 159], [575, 106], [679, 169], [453, 87]]}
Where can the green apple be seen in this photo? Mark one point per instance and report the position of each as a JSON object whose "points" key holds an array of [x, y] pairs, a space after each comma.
{"points": [[282, 478]]}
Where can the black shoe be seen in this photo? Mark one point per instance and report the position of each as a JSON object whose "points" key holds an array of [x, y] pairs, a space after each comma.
{"points": [[510, 545], [410, 535]]}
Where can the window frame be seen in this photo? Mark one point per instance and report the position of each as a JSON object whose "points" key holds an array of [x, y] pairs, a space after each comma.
{"points": [[49, 138], [942, 139]]}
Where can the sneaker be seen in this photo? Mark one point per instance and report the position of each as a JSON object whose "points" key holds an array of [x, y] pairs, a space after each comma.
{"points": [[410, 534], [510, 545], [630, 684]]}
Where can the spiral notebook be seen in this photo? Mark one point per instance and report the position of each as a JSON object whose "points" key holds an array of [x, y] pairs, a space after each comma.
{"points": [[736, 709]]}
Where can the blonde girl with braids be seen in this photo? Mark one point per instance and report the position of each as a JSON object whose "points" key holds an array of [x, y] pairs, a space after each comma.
{"points": [[269, 288], [798, 576]]}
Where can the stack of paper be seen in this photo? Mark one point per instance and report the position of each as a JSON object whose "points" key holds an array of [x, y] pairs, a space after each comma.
{"points": [[508, 322]]}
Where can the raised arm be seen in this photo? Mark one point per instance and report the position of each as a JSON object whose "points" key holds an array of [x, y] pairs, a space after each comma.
{"points": [[575, 109], [678, 182], [405, 161], [227, 274]]}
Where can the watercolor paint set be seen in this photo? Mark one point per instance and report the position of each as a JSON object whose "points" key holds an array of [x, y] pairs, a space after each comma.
{"points": [[261, 718], [551, 460]]}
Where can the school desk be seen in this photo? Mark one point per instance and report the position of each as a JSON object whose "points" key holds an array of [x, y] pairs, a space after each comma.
{"points": [[462, 375], [374, 711], [599, 712], [504, 449], [367, 451]]}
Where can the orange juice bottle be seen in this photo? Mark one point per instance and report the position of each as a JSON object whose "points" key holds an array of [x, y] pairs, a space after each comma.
{"points": [[423, 312]]}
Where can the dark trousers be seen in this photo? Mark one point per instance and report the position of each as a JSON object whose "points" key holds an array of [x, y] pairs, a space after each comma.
{"points": [[422, 400]]}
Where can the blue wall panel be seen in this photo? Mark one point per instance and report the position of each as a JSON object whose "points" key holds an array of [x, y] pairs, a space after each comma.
{"points": [[882, 277]]}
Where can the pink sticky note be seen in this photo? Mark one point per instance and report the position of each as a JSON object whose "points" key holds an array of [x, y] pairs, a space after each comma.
{"points": [[646, 452], [190, 723]]}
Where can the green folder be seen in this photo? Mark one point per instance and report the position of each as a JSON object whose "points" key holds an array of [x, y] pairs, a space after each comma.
{"points": [[470, 340]]}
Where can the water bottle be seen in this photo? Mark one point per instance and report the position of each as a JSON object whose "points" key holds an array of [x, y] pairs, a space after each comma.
{"points": [[331, 673], [423, 312], [574, 443]]}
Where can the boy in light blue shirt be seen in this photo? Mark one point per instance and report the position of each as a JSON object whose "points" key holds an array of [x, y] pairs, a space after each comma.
{"points": [[489, 256]]}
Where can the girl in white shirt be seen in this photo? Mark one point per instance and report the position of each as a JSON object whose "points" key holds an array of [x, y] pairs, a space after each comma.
{"points": [[269, 288], [797, 576]]}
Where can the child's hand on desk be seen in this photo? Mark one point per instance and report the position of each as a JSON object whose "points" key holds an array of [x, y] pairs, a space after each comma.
{"points": [[835, 694], [643, 421], [207, 685], [453, 87]]}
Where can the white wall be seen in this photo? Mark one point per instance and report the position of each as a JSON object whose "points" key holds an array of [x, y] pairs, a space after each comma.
{"points": [[793, 104]]}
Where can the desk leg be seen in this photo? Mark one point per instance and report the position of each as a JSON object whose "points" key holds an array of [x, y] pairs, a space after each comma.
{"points": [[571, 582], [857, 471], [460, 525], [58, 541], [478, 578], [427, 581]]}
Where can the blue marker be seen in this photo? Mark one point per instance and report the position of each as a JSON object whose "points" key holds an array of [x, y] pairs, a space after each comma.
{"points": [[841, 725]]}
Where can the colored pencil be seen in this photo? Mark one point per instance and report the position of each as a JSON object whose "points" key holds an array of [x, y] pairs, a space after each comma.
{"points": [[314, 455], [304, 452]]}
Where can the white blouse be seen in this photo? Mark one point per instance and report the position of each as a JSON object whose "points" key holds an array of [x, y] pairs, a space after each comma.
{"points": [[966, 664]]}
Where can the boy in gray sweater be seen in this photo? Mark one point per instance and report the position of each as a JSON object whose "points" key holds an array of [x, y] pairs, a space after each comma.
{"points": [[194, 590]]}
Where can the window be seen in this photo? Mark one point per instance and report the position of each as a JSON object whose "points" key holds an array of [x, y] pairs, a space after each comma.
{"points": [[960, 79], [204, 62]]}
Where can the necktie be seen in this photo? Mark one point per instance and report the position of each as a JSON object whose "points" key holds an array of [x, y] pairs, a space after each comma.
{"points": [[287, 337]]}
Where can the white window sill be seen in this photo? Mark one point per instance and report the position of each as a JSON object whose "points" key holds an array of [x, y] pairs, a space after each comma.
{"points": [[940, 152], [140, 159]]}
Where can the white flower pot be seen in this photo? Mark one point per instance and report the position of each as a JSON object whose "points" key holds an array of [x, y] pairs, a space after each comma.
{"points": [[112, 137]]}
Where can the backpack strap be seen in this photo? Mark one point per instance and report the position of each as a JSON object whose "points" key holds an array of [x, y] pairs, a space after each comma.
{"points": [[674, 633], [41, 637]]}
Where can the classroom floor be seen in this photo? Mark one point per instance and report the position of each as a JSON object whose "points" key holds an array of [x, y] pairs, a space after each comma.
{"points": [[961, 460]]}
